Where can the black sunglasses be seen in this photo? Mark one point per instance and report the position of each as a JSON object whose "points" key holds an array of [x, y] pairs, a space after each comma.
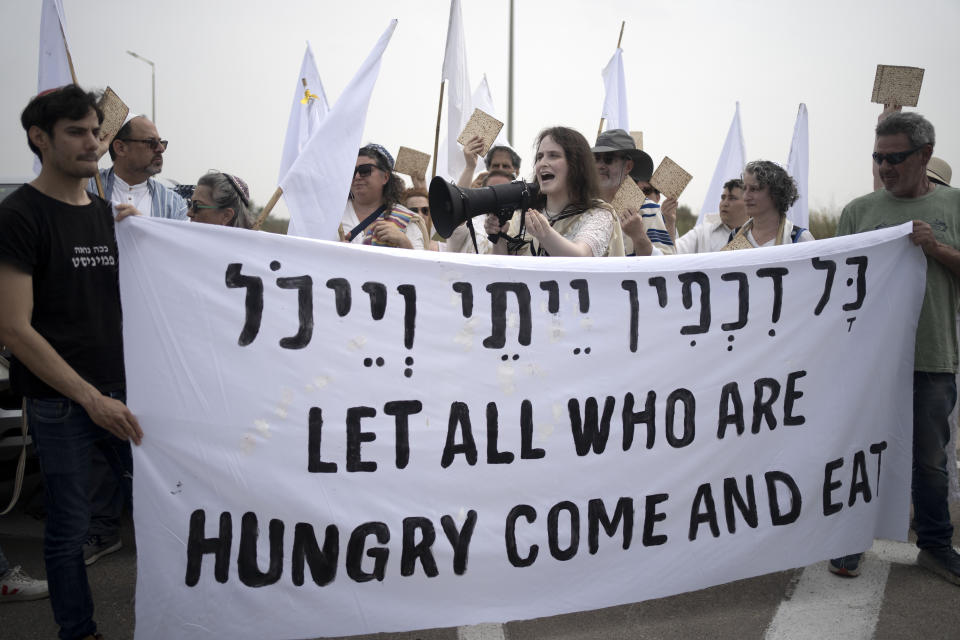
{"points": [[896, 157], [606, 158], [364, 170], [425, 211], [153, 143]]}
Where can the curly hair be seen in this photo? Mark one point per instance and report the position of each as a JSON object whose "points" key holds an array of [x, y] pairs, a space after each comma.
{"points": [[735, 183], [918, 129], [582, 184], [783, 188], [393, 190]]}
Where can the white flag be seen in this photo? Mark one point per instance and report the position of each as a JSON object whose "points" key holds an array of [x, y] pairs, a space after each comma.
{"points": [[53, 69], [729, 166], [318, 183], [308, 109], [450, 162], [483, 100], [798, 166], [615, 100]]}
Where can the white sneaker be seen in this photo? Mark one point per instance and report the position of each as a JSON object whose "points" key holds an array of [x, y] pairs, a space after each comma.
{"points": [[15, 585]]}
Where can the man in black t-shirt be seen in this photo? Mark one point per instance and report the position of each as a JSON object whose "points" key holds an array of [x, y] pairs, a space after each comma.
{"points": [[60, 316]]}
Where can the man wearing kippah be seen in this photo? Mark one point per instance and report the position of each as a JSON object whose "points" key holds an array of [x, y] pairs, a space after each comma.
{"points": [[137, 154]]}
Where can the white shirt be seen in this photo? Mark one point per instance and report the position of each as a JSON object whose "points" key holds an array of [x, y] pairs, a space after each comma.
{"points": [[706, 237], [138, 195]]}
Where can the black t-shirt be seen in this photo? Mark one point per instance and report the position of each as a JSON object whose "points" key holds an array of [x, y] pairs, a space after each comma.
{"points": [[71, 252]]}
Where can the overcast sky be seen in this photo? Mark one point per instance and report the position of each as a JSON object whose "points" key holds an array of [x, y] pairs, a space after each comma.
{"points": [[226, 69]]}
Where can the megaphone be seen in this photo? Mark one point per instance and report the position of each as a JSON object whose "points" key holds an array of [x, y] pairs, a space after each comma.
{"points": [[451, 206]]}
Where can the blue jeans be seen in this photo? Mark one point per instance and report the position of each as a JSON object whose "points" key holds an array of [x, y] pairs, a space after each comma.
{"points": [[107, 497], [934, 395], [64, 436]]}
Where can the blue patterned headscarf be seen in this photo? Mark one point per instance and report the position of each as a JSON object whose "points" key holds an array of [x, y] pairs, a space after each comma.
{"points": [[381, 151]]}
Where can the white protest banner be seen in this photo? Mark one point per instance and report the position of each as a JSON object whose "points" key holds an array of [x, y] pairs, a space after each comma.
{"points": [[343, 439]]}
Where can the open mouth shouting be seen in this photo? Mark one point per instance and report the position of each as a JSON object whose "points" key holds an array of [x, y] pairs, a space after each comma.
{"points": [[546, 178]]}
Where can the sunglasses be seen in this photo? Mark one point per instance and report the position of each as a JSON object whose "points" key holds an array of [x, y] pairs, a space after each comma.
{"points": [[424, 211], [647, 191], [364, 170], [894, 158], [195, 207], [606, 158], [153, 143]]}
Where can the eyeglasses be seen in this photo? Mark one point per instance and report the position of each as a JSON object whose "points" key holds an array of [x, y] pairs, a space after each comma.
{"points": [[153, 143], [896, 157], [647, 191], [364, 170], [425, 211], [195, 207], [607, 158]]}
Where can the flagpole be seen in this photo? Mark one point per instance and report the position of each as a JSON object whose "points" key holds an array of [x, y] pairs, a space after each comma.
{"points": [[510, 137], [268, 208], [436, 137], [619, 42]]}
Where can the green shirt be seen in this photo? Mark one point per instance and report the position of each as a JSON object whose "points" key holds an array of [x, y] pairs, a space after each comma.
{"points": [[936, 346]]}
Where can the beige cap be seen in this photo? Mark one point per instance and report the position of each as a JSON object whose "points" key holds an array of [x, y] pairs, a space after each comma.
{"points": [[939, 170]]}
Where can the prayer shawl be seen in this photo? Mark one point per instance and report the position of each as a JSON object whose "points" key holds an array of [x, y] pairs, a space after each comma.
{"points": [[786, 231], [656, 231], [400, 216], [564, 227]]}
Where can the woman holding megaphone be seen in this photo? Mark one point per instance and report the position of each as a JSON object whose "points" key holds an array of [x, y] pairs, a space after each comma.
{"points": [[569, 220]]}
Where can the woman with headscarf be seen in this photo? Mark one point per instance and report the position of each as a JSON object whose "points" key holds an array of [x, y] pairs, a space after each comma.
{"points": [[569, 219], [374, 215]]}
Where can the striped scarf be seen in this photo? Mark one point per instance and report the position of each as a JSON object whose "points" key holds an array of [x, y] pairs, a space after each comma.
{"points": [[397, 215]]}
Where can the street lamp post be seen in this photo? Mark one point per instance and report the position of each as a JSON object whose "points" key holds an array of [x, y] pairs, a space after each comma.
{"points": [[153, 85]]}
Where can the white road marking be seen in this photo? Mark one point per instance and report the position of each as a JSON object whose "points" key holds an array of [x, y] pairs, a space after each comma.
{"points": [[827, 606], [485, 631], [822, 605]]}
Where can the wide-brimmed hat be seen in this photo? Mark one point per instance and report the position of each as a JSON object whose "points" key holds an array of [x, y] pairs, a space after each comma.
{"points": [[619, 141], [939, 170]]}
